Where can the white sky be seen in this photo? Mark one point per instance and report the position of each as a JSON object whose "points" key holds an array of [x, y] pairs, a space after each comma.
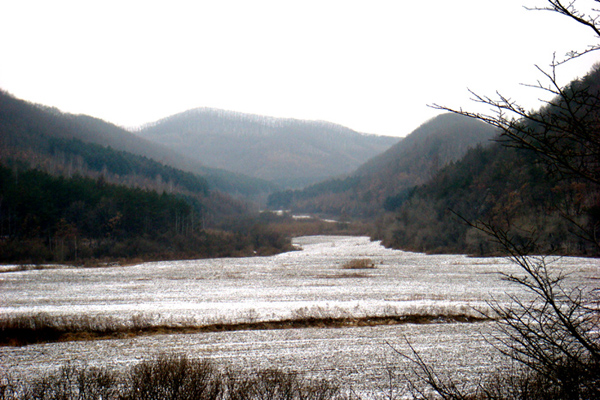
{"points": [[371, 65]]}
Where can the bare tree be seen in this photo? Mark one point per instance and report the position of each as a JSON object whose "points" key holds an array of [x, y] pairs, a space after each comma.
{"points": [[588, 18], [565, 132], [555, 337]]}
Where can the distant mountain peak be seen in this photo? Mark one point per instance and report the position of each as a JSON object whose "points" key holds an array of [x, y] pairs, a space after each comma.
{"points": [[391, 174], [291, 152], [209, 114]]}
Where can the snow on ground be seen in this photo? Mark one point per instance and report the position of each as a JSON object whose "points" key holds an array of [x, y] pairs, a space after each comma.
{"points": [[309, 282]]}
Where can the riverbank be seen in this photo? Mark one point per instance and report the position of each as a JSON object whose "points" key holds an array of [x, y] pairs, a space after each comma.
{"points": [[21, 331]]}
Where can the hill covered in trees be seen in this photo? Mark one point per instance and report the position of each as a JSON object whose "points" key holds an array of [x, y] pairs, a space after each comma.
{"points": [[58, 142], [536, 190], [386, 179], [68, 195], [289, 152], [45, 218]]}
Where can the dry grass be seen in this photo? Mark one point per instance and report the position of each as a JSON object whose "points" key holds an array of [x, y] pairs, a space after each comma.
{"points": [[18, 330], [44, 328], [352, 275], [170, 377], [359, 263]]}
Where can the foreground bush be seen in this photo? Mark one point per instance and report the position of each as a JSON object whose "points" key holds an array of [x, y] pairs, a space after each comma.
{"points": [[169, 377]]}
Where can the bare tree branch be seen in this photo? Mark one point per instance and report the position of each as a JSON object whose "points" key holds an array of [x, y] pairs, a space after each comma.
{"points": [[553, 330]]}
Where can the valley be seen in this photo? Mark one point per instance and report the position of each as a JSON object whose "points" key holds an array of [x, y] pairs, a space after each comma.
{"points": [[215, 254], [306, 283]]}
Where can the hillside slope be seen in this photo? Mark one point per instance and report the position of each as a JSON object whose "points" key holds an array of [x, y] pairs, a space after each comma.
{"points": [[386, 179], [501, 187], [289, 152], [68, 195], [428, 148], [535, 191], [40, 135]]}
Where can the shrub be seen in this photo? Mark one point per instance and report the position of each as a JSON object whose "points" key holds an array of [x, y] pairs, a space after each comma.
{"points": [[173, 377], [170, 377], [359, 263], [276, 384], [71, 383]]}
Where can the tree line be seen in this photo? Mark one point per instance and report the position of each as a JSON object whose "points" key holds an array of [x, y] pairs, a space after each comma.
{"points": [[538, 184], [82, 157], [44, 218]]}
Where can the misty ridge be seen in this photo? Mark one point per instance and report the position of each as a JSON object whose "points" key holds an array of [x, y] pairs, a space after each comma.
{"points": [[289, 152], [390, 176], [228, 164]]}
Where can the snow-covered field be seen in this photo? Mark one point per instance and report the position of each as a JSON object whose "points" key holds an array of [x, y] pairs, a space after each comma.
{"points": [[308, 282]]}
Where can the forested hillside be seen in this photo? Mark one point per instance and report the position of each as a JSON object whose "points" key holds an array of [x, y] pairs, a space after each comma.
{"points": [[536, 190], [385, 180], [57, 142], [68, 195], [80, 220], [289, 152]]}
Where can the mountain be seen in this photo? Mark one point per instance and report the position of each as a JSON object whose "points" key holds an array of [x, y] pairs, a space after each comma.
{"points": [[38, 134], [77, 189], [290, 152], [386, 179], [508, 189], [536, 190], [432, 145]]}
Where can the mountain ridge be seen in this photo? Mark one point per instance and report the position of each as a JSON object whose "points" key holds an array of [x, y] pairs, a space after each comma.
{"points": [[290, 152], [535, 190], [28, 125], [389, 176], [268, 120]]}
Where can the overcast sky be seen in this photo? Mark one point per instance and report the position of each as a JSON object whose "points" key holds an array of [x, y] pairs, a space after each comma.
{"points": [[370, 65]]}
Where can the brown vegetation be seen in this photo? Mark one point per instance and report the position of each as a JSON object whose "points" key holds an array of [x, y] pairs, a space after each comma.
{"points": [[359, 263], [287, 225], [169, 377], [44, 328]]}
